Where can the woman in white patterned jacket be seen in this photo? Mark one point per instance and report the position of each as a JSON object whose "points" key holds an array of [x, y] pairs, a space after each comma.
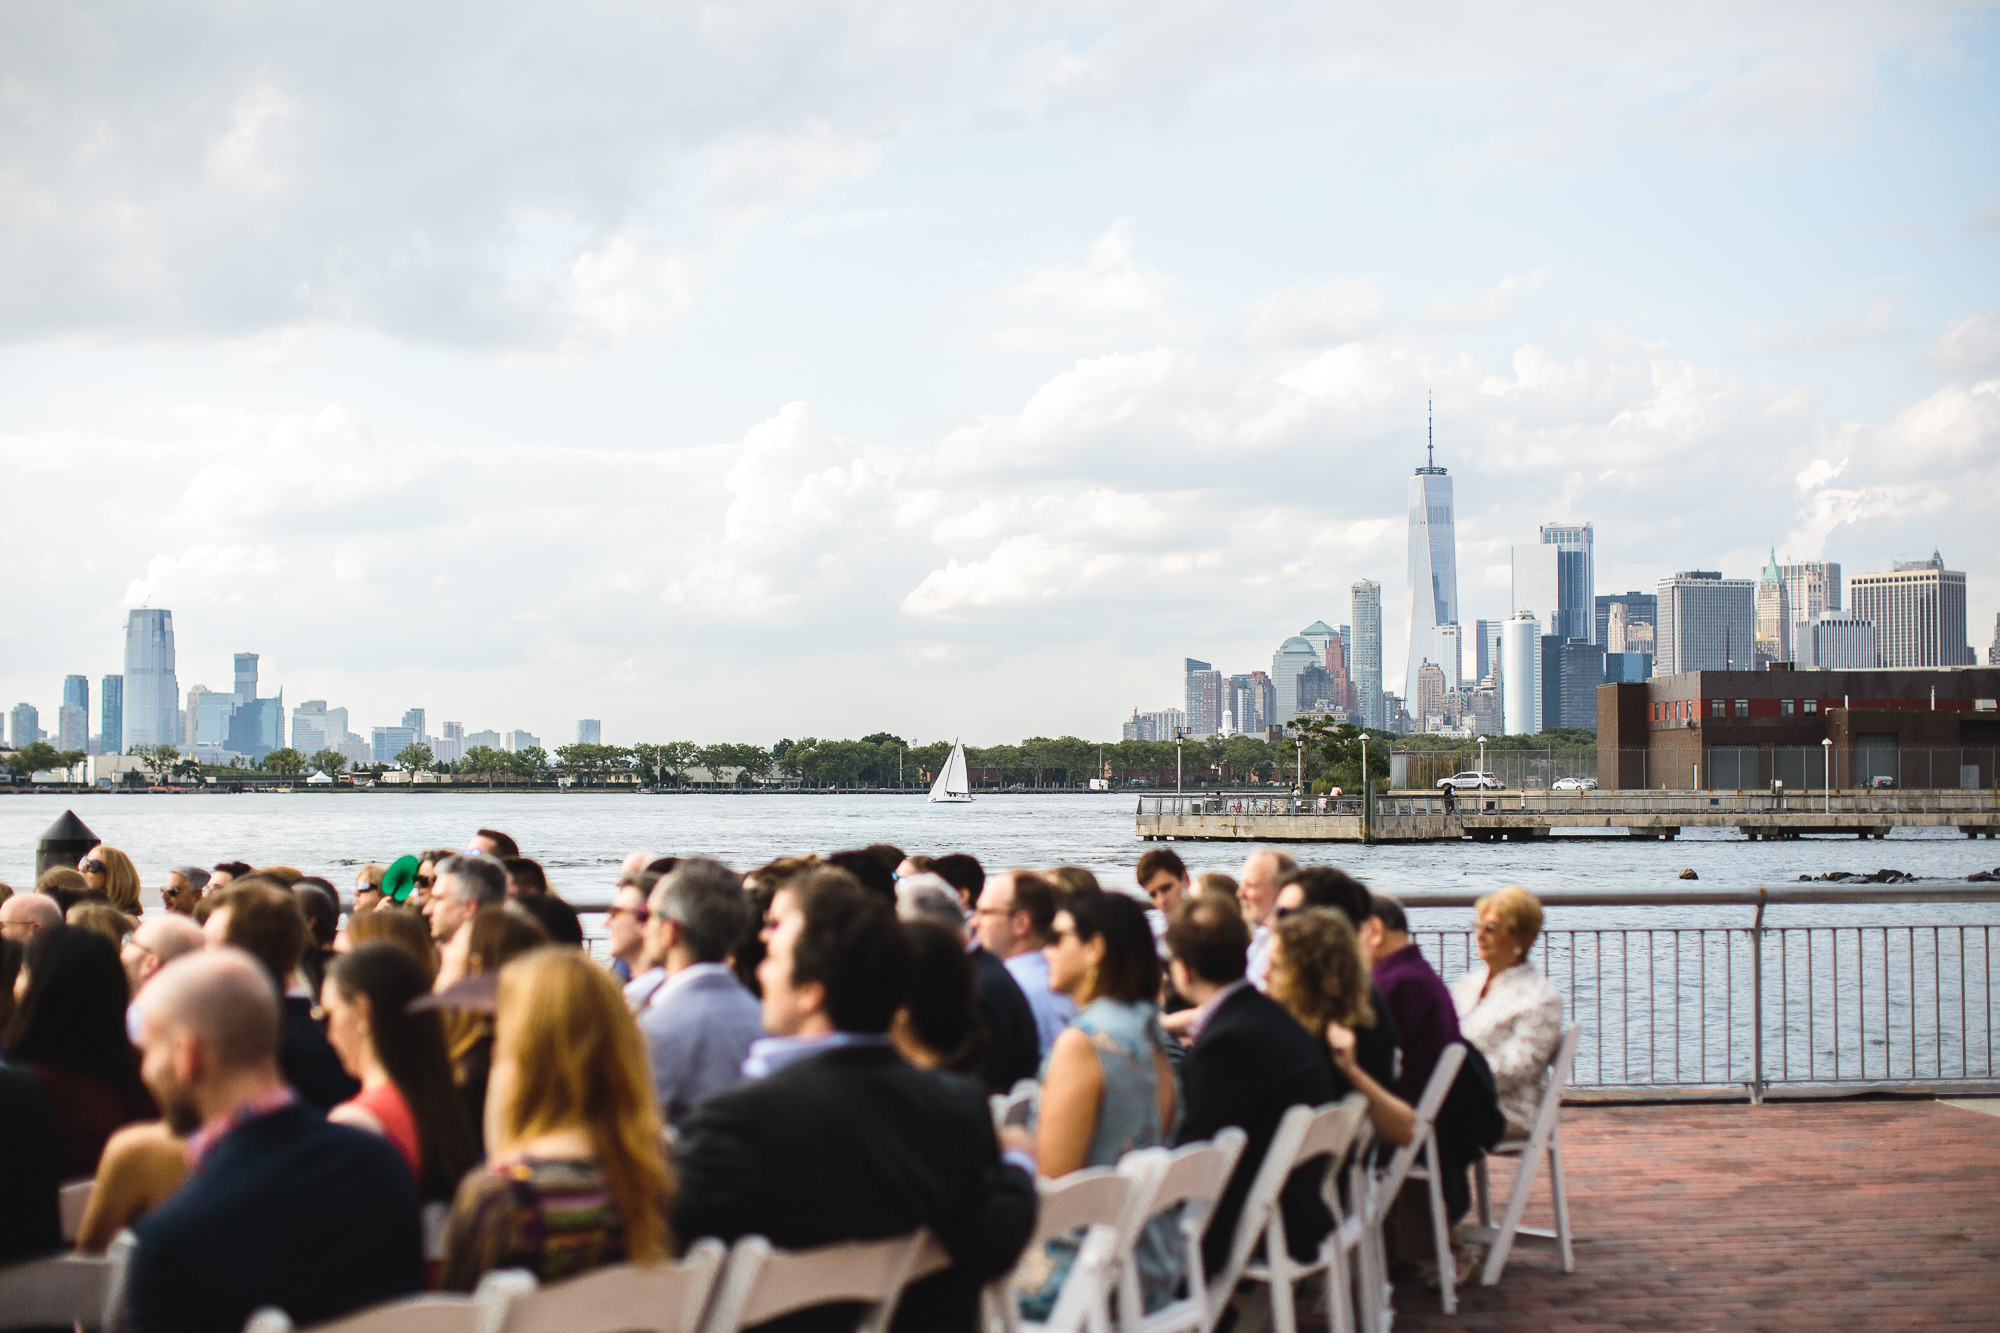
{"points": [[1507, 1009]]}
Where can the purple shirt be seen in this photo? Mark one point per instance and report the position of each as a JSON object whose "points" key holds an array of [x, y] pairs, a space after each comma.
{"points": [[1426, 1019]]}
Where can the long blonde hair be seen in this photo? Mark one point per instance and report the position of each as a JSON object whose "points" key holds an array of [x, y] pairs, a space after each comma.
{"points": [[121, 880], [578, 1060], [1317, 972]]}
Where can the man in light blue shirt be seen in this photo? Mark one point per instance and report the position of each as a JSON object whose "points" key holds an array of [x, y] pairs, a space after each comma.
{"points": [[699, 1022], [1015, 916]]}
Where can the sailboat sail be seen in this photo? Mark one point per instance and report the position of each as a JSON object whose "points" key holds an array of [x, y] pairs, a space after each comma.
{"points": [[951, 784]]}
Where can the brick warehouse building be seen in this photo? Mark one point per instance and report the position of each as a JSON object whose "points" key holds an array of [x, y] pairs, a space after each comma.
{"points": [[1733, 730]]}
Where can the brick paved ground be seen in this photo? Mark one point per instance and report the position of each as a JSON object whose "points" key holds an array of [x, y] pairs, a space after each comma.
{"points": [[1832, 1215]]}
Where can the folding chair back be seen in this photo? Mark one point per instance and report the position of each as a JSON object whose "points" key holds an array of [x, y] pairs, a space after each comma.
{"points": [[1426, 1109], [1329, 1134], [1258, 1204], [1190, 1179], [1015, 1106], [1544, 1139], [72, 1201], [433, 1312], [1416, 1160], [60, 1290], [624, 1298], [1100, 1202], [760, 1283]]}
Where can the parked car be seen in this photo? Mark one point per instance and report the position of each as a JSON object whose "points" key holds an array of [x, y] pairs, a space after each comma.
{"points": [[1473, 781], [1575, 784], [1882, 781]]}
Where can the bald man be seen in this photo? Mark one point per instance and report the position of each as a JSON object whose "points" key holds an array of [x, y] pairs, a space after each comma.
{"points": [[1257, 893], [272, 1188], [158, 941], [25, 913]]}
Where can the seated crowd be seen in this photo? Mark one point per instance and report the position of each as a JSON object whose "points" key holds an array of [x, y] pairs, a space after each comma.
{"points": [[803, 1052]]}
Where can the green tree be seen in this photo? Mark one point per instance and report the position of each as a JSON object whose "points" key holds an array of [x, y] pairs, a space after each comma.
{"points": [[531, 763], [485, 759], [285, 761], [416, 757], [329, 762], [34, 757], [158, 759]]}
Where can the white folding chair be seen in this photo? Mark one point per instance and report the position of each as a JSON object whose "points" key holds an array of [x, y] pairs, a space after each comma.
{"points": [[1259, 1202], [433, 1220], [624, 1298], [433, 1312], [1328, 1135], [1099, 1202], [1415, 1160], [66, 1289], [1015, 1105], [72, 1202], [1190, 1179], [760, 1283], [1546, 1138]]}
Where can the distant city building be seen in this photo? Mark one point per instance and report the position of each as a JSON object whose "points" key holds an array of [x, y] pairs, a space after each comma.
{"points": [[1318, 692], [27, 726], [76, 690], [1365, 662], [152, 713], [385, 743], [590, 731], [1774, 614], [1639, 608], [111, 715], [336, 727], [72, 727], [1159, 725], [1835, 642], [490, 739], [1571, 672], [451, 745], [1429, 712], [1294, 655], [257, 727], [1576, 579], [1203, 696], [1433, 566], [309, 734], [1320, 635], [355, 750], [1812, 588], [1918, 610], [1521, 675], [1993, 652], [1482, 711], [1395, 717], [219, 707], [1627, 668], [518, 741], [246, 677], [1485, 647], [1249, 699], [1706, 623], [413, 718]]}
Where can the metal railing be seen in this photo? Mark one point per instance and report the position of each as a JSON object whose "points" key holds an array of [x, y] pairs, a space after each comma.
{"points": [[1600, 801], [1763, 1010]]}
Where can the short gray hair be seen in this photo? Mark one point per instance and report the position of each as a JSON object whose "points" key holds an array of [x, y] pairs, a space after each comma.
{"points": [[705, 899], [196, 877], [929, 897], [481, 879]]}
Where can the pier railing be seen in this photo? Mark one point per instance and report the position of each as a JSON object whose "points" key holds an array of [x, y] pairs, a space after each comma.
{"points": [[1600, 801], [1768, 1010]]}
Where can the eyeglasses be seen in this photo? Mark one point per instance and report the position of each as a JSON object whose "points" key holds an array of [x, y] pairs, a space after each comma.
{"points": [[425, 881], [1283, 912], [1491, 928], [638, 914], [91, 867]]}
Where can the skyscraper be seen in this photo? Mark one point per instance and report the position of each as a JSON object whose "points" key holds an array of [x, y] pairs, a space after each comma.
{"points": [[1430, 696], [309, 727], [27, 726], [1834, 641], [1521, 675], [1366, 612], [1433, 566], [1486, 646], [72, 727], [1204, 697], [1812, 588], [1707, 623], [590, 731], [1319, 634], [152, 692], [1993, 652], [385, 743], [413, 718], [1918, 608], [336, 727], [1774, 613], [451, 745], [76, 690], [111, 715], [1576, 579], [246, 678], [1294, 655], [1641, 608]]}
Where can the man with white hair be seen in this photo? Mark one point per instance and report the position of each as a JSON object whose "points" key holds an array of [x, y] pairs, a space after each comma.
{"points": [[157, 941], [273, 1190], [465, 883], [25, 913]]}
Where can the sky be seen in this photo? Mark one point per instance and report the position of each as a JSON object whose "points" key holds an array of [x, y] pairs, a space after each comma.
{"points": [[737, 371]]}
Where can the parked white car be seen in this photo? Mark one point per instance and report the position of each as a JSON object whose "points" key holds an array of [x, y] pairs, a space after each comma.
{"points": [[1474, 781], [1575, 784]]}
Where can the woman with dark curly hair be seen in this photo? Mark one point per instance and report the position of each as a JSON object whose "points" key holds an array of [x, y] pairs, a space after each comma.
{"points": [[1319, 976]]}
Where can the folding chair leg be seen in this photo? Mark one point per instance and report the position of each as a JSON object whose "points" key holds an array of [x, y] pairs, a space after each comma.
{"points": [[1441, 1232], [1562, 1205], [1502, 1243], [1284, 1298], [1485, 1191], [1339, 1292]]}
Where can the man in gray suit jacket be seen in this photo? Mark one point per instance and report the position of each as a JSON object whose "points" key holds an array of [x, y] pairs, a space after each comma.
{"points": [[699, 1020]]}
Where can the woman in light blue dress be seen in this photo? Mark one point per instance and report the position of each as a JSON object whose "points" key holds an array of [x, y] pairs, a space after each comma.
{"points": [[1106, 1086]]}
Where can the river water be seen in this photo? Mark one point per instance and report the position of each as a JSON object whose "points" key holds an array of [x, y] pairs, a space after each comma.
{"points": [[581, 838]]}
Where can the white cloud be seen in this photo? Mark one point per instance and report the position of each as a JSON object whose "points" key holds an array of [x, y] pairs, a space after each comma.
{"points": [[1514, 294], [1840, 332], [1336, 311], [1110, 296], [1778, 97], [1970, 345]]}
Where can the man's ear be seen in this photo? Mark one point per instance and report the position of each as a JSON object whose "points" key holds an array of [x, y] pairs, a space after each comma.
{"points": [[811, 997]]}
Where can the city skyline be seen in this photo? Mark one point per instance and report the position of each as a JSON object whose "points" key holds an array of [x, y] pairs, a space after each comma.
{"points": [[992, 361]]}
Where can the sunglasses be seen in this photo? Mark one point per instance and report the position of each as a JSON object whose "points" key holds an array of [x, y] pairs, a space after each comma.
{"points": [[425, 881], [91, 867], [1284, 912]]}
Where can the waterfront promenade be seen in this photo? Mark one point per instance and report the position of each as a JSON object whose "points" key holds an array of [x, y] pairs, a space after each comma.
{"points": [[1824, 1215]]}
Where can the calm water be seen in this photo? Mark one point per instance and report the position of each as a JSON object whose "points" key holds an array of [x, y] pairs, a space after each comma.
{"points": [[581, 839]]}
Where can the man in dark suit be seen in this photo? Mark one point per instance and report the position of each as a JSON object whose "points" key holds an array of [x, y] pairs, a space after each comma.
{"points": [[260, 916], [834, 1137], [29, 1223], [1013, 1042], [280, 1207], [1251, 1062]]}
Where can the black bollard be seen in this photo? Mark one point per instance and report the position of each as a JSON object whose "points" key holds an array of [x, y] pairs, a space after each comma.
{"points": [[63, 843]]}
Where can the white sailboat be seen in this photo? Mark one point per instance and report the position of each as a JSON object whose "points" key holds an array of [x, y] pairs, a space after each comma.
{"points": [[951, 786]]}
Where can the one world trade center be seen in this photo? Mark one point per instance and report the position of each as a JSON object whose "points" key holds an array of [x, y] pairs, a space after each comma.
{"points": [[1433, 578]]}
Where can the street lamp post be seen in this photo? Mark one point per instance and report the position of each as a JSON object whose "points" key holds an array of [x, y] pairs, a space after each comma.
{"points": [[1367, 792], [1180, 734], [1482, 756], [1826, 764], [1300, 741]]}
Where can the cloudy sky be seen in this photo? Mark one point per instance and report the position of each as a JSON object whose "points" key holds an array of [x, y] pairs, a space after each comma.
{"points": [[757, 369]]}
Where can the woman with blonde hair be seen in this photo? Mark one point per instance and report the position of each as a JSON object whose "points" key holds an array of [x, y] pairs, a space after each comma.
{"points": [[1506, 1008], [577, 1176], [108, 871], [1318, 974]]}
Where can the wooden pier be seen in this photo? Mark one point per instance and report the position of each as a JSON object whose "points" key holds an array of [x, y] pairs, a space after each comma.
{"points": [[1518, 816]]}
